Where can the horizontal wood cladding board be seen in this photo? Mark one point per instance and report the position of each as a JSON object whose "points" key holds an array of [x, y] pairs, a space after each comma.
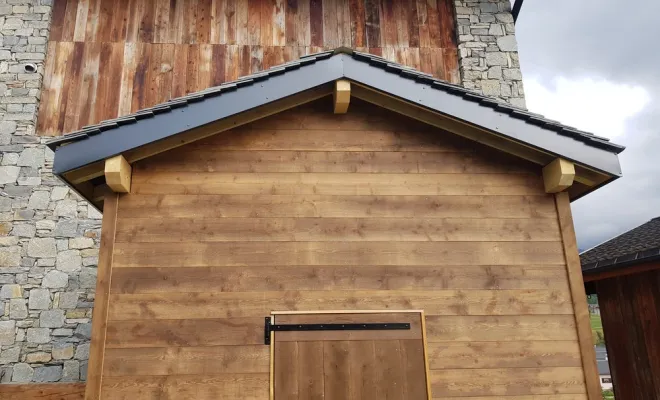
{"points": [[127, 255], [249, 331], [216, 387], [154, 50], [246, 304], [150, 230], [336, 277], [186, 332], [515, 354], [528, 397], [507, 381], [259, 206], [363, 137], [43, 391], [443, 328], [186, 360], [255, 161], [336, 184]]}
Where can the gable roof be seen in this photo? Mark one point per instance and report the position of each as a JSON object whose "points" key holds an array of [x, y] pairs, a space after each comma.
{"points": [[640, 244], [531, 132]]}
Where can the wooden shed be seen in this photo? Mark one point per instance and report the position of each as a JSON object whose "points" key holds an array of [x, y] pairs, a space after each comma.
{"points": [[625, 274], [339, 227]]}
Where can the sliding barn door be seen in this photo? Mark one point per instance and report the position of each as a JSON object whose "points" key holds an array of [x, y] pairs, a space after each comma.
{"points": [[355, 363]]}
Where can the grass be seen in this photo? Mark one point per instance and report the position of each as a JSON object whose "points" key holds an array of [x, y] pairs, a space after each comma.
{"points": [[597, 328], [608, 395]]}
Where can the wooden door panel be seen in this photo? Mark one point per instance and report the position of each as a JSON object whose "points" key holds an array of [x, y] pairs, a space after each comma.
{"points": [[388, 364]]}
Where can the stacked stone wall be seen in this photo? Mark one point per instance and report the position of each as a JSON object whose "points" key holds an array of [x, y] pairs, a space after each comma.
{"points": [[48, 235], [488, 52]]}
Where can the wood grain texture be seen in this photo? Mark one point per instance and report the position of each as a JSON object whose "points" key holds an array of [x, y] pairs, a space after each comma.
{"points": [[579, 296], [43, 391], [219, 387], [269, 32], [507, 382], [196, 271], [630, 307], [241, 304], [103, 279], [364, 277]]}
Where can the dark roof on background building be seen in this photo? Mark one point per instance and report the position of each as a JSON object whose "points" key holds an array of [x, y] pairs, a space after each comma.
{"points": [[641, 244], [112, 137]]}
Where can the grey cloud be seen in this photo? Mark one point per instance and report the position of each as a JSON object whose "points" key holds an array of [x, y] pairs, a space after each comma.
{"points": [[617, 41]]}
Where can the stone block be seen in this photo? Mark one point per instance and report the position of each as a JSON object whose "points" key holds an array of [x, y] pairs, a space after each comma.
{"points": [[7, 127], [490, 87], [42, 247], [38, 335], [55, 279], [39, 299], [66, 332], [82, 352], [512, 74], [39, 200], [69, 261], [9, 355], [7, 332], [32, 157], [11, 291], [47, 374], [81, 243], [83, 331], [10, 256], [88, 278], [24, 230], [66, 208], [507, 43], [68, 300], [8, 174], [23, 373], [67, 228], [63, 351], [71, 371], [17, 309], [497, 59], [59, 193], [38, 357], [51, 319]]}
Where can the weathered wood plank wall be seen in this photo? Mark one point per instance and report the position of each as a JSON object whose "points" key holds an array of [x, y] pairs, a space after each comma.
{"points": [[311, 210], [108, 58], [630, 309]]}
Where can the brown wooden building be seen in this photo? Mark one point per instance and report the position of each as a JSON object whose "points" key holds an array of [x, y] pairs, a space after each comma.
{"points": [[625, 274], [338, 227]]}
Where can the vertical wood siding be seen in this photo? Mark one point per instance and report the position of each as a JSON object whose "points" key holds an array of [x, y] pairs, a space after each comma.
{"points": [[307, 210], [108, 58], [630, 309]]}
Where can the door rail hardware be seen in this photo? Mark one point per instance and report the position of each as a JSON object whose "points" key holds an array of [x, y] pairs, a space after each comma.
{"points": [[382, 326]]}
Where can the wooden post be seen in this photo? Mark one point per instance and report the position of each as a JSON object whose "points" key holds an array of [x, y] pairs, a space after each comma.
{"points": [[118, 174], [100, 316], [579, 296], [342, 96]]}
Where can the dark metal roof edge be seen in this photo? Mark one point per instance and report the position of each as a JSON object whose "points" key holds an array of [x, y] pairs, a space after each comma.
{"points": [[367, 60], [588, 269]]}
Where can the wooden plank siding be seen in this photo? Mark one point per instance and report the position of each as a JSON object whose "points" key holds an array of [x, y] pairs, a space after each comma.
{"points": [[107, 59], [630, 309], [275, 217]]}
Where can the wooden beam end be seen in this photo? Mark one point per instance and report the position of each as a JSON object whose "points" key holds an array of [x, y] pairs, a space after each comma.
{"points": [[342, 96], [118, 174], [558, 175]]}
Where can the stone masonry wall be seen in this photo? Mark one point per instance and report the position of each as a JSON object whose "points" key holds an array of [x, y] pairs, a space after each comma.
{"points": [[48, 235], [488, 52]]}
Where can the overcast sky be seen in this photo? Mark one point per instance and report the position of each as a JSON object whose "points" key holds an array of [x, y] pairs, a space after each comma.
{"points": [[595, 65]]}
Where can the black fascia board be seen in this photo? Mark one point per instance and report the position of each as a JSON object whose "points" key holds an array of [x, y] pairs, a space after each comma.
{"points": [[98, 147], [473, 113]]}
